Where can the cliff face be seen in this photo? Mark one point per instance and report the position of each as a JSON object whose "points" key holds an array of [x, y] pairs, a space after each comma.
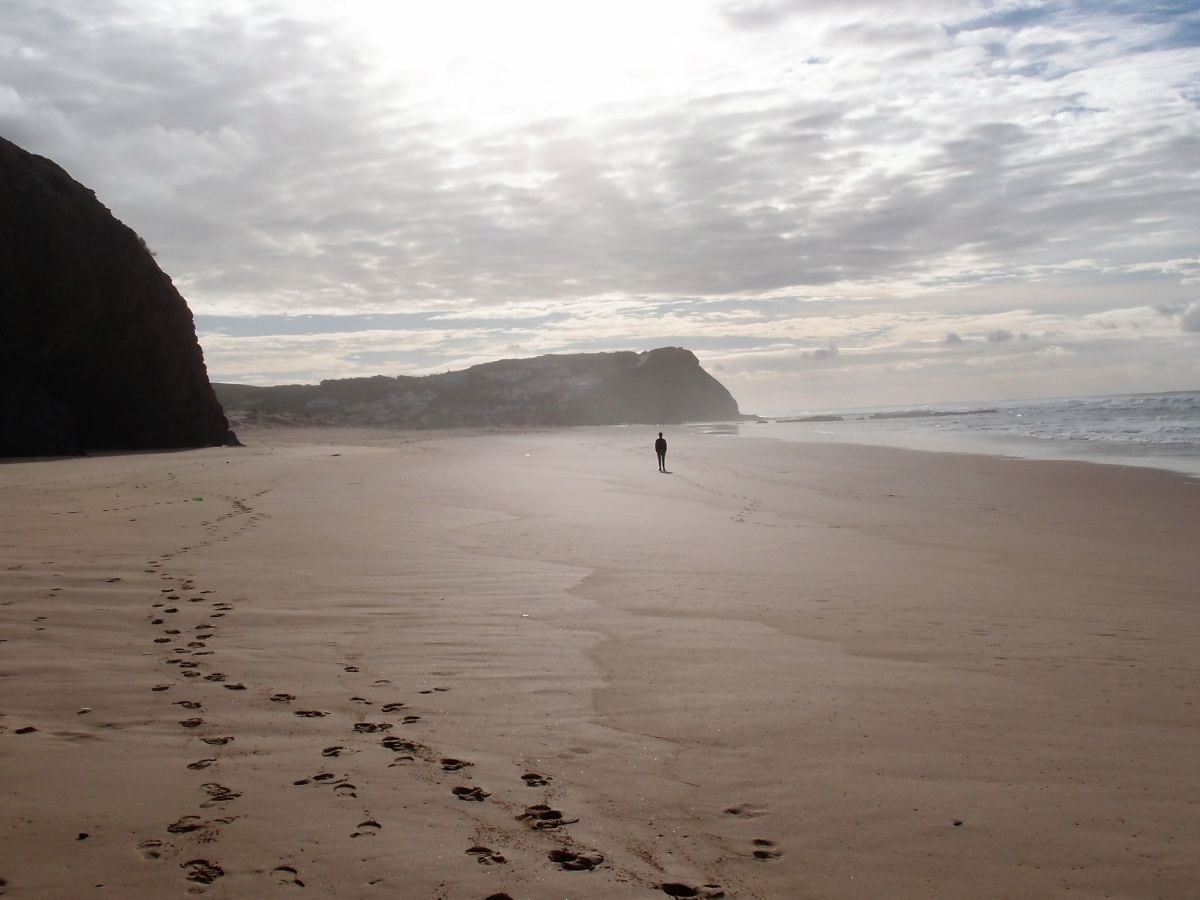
{"points": [[664, 386], [97, 348]]}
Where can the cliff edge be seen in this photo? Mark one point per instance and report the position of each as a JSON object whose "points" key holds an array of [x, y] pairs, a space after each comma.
{"points": [[97, 348]]}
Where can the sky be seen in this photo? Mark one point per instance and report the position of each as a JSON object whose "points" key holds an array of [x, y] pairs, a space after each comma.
{"points": [[831, 202]]}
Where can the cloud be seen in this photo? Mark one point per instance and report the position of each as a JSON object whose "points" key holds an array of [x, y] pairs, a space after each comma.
{"points": [[1189, 321], [1055, 350], [770, 178], [264, 136], [824, 353], [765, 14]]}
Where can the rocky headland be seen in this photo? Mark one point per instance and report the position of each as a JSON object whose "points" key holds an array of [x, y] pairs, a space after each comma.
{"points": [[98, 350], [666, 386]]}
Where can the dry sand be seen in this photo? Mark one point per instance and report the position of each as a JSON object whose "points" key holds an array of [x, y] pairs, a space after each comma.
{"points": [[784, 670]]}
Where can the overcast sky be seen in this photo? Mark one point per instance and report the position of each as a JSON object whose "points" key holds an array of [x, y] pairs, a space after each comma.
{"points": [[832, 202]]}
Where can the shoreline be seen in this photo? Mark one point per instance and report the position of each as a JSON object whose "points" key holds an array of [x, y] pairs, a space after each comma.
{"points": [[971, 444], [785, 669]]}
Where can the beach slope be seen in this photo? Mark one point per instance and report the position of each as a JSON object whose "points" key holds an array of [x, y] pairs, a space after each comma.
{"points": [[527, 664]]}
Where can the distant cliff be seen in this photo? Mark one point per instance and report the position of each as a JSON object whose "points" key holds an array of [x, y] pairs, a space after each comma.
{"points": [[97, 348], [659, 386]]}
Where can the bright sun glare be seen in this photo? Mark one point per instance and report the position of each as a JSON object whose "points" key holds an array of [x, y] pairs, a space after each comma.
{"points": [[492, 62]]}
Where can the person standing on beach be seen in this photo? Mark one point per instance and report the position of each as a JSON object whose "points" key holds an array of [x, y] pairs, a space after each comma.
{"points": [[660, 447]]}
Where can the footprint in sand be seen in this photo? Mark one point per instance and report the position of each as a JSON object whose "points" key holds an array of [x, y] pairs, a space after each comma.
{"points": [[217, 741], [765, 849], [161, 687], [319, 777], [541, 817], [745, 811], [238, 686], [201, 763], [310, 713], [368, 828], [351, 669], [704, 891], [570, 861], [282, 698], [486, 856], [470, 793], [345, 789], [188, 704], [332, 751], [372, 727], [185, 825], [393, 707], [287, 875], [363, 700], [217, 793], [191, 723], [399, 745], [450, 764], [215, 676], [150, 849], [28, 729], [534, 779], [202, 871]]}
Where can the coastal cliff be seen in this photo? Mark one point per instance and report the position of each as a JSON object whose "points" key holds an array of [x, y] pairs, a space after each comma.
{"points": [[666, 386], [97, 348]]}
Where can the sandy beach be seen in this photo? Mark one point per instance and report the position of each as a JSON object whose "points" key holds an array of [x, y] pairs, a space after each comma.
{"points": [[440, 665]]}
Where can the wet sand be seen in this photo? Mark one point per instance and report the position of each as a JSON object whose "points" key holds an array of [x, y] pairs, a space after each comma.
{"points": [[360, 664]]}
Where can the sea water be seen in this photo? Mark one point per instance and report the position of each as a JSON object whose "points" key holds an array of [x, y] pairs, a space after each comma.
{"points": [[1156, 430]]}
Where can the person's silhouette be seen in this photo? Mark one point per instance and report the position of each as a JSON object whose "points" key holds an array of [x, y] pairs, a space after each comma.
{"points": [[660, 447]]}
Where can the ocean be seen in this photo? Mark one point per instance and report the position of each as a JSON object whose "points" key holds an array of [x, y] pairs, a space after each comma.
{"points": [[1155, 430]]}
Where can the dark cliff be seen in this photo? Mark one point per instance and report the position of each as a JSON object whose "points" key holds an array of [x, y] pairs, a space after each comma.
{"points": [[665, 386], [97, 348]]}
